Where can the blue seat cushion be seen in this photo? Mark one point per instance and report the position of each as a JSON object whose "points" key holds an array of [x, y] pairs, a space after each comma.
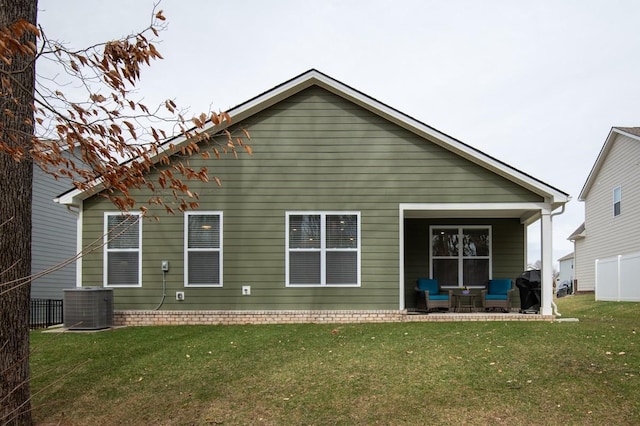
{"points": [[499, 286], [495, 296], [438, 297], [428, 285]]}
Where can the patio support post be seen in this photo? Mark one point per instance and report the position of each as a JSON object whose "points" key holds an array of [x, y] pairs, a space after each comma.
{"points": [[546, 238], [401, 301]]}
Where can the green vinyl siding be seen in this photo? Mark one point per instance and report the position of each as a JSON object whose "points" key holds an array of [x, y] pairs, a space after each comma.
{"points": [[314, 151]]}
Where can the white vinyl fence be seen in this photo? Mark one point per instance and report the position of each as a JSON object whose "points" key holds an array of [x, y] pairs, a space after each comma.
{"points": [[618, 278]]}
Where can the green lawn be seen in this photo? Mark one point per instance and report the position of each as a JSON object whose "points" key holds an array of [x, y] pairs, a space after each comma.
{"points": [[511, 373]]}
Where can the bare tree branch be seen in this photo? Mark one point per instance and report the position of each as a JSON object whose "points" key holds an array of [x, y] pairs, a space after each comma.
{"points": [[108, 135]]}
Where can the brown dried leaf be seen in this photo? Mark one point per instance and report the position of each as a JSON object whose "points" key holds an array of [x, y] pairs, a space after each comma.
{"points": [[132, 129], [153, 52]]}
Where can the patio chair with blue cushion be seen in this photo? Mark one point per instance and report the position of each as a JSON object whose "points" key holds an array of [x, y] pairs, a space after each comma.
{"points": [[434, 296], [498, 294]]}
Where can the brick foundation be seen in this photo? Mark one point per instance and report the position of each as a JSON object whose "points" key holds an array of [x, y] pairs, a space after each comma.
{"points": [[153, 318]]}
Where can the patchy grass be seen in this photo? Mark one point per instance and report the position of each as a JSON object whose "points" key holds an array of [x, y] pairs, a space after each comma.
{"points": [[584, 372]]}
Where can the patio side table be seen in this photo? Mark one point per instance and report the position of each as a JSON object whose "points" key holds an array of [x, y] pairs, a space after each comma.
{"points": [[465, 302]]}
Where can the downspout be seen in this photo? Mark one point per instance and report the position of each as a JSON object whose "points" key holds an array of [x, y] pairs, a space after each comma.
{"points": [[553, 304]]}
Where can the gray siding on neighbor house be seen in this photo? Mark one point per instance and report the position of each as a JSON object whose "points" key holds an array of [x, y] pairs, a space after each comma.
{"points": [[606, 235], [53, 238], [314, 151], [583, 275]]}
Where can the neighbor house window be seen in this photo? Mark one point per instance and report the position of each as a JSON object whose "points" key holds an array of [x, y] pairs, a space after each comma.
{"points": [[460, 255], [122, 257], [203, 249], [617, 200], [323, 249]]}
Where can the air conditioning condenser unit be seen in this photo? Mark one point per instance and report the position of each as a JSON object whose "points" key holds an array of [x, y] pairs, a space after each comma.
{"points": [[88, 308]]}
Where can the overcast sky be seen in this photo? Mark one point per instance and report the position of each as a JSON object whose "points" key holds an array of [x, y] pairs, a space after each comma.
{"points": [[537, 84]]}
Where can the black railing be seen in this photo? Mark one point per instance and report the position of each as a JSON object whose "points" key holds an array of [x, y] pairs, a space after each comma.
{"points": [[45, 313]]}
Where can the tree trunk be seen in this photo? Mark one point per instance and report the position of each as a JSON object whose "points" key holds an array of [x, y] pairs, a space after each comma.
{"points": [[15, 225]]}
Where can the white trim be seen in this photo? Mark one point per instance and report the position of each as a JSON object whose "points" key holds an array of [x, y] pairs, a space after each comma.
{"points": [[525, 249], [439, 138], [527, 213], [604, 151], [105, 260], [323, 249], [473, 206], [546, 225], [460, 256], [314, 77], [79, 244], [220, 250], [401, 297], [619, 189]]}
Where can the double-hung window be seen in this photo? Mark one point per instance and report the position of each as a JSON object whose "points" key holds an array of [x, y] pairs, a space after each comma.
{"points": [[203, 249], [617, 201], [122, 250], [460, 255], [323, 249]]}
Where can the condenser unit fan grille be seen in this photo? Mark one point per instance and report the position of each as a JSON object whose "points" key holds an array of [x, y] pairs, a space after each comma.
{"points": [[88, 308]]}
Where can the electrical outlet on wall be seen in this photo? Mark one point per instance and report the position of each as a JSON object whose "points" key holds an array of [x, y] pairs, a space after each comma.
{"points": [[180, 295], [246, 290]]}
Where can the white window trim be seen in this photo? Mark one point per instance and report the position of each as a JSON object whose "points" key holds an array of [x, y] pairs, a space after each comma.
{"points": [[105, 260], [186, 248], [323, 250], [461, 256], [617, 188]]}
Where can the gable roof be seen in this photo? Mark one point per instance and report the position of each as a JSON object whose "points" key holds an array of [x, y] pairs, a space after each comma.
{"points": [[566, 257], [316, 78], [578, 234], [632, 132]]}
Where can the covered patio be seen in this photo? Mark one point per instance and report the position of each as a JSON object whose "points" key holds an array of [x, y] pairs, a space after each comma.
{"points": [[502, 252]]}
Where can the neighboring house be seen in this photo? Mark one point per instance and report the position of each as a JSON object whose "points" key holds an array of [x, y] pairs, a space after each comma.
{"points": [[343, 205], [580, 285], [53, 238], [566, 272], [611, 196]]}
